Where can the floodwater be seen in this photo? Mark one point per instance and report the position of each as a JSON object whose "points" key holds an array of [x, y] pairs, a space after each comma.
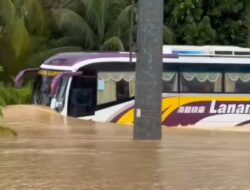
{"points": [[52, 152]]}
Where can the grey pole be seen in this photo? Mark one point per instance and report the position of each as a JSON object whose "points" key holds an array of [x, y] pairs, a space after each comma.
{"points": [[149, 70]]}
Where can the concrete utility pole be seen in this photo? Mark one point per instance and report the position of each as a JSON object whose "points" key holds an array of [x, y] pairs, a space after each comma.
{"points": [[149, 71]]}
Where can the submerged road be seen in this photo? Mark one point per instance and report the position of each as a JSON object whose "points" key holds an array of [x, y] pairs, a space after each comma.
{"points": [[52, 152]]}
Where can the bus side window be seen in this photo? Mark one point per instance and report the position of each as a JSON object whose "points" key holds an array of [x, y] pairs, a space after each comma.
{"points": [[122, 90], [237, 82], [170, 82], [201, 82], [82, 96], [115, 87]]}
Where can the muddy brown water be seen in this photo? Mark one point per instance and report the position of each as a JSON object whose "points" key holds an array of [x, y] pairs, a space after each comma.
{"points": [[52, 152]]}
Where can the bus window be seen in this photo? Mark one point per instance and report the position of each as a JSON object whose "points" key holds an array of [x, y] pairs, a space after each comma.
{"points": [[115, 86], [237, 82], [170, 82], [82, 96], [122, 90], [41, 91], [60, 96], [201, 82], [132, 88]]}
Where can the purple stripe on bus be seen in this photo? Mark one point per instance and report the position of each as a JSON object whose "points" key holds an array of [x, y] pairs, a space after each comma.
{"points": [[184, 119], [70, 59], [190, 114], [243, 123], [119, 116]]}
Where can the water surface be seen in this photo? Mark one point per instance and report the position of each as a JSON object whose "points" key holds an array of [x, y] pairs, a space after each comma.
{"points": [[52, 152]]}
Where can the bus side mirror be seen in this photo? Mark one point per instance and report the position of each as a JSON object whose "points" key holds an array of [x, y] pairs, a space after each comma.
{"points": [[23, 74], [57, 80]]}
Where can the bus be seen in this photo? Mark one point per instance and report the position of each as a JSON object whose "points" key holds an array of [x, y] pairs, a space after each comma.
{"points": [[201, 86]]}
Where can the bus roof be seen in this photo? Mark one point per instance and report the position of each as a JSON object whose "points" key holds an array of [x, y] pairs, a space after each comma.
{"points": [[211, 50], [187, 54], [70, 59]]}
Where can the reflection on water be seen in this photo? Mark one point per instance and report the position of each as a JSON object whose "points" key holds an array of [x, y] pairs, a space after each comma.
{"points": [[52, 152]]}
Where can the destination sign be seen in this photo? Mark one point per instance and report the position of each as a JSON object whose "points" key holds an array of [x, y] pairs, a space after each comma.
{"points": [[216, 108], [49, 73]]}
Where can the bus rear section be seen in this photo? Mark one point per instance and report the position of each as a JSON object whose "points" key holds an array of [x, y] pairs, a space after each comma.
{"points": [[207, 95]]}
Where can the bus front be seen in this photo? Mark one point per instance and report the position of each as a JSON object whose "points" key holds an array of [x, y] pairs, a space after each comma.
{"points": [[42, 90]]}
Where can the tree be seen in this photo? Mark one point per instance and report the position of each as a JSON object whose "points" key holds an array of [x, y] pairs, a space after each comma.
{"points": [[98, 24], [94, 24], [24, 30], [247, 20], [55, 3], [200, 22], [25, 36]]}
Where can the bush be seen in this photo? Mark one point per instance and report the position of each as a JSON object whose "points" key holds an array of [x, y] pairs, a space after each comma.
{"points": [[5, 132], [11, 96], [1, 106]]}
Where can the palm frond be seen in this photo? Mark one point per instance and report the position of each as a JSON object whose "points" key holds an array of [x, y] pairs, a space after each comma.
{"points": [[113, 44], [95, 11], [168, 35], [7, 11], [67, 41], [121, 23], [34, 17], [18, 37], [38, 43], [71, 23]]}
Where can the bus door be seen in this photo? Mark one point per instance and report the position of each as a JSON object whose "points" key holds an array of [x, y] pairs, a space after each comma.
{"points": [[82, 95]]}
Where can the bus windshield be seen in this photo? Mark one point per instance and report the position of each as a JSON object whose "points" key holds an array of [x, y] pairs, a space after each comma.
{"points": [[41, 92]]}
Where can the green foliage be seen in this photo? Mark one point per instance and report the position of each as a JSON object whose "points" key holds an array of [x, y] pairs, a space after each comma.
{"points": [[200, 22], [98, 25], [22, 23], [5, 132], [25, 36], [247, 20], [95, 24], [18, 38], [11, 96], [2, 103]]}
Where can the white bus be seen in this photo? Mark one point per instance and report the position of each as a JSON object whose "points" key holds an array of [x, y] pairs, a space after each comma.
{"points": [[201, 85]]}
